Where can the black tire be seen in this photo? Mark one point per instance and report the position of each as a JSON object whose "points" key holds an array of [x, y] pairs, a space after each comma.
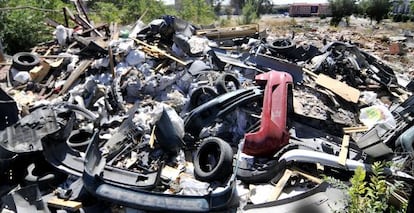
{"points": [[202, 95], [282, 46], [79, 140], [221, 83], [213, 160], [24, 61]]}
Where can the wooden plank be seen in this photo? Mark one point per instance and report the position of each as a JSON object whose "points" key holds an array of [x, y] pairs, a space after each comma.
{"points": [[308, 176], [342, 89], [309, 72], [348, 130], [280, 185], [65, 15], [229, 32], [111, 61], [64, 204], [152, 137], [343, 154], [4, 70], [75, 75], [162, 52], [114, 31]]}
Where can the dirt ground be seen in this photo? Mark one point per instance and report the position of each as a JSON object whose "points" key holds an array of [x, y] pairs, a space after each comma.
{"points": [[371, 37]]}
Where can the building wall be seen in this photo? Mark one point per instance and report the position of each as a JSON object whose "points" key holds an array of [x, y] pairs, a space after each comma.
{"points": [[309, 10]]}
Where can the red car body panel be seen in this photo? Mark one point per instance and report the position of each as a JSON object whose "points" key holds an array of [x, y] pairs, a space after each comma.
{"points": [[273, 134]]}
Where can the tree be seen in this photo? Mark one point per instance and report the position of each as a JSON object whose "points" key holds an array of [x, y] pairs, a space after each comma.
{"points": [[237, 5], [262, 6], [17, 26], [362, 7], [196, 11], [341, 9], [135, 9], [107, 12], [378, 9], [249, 12], [217, 8]]}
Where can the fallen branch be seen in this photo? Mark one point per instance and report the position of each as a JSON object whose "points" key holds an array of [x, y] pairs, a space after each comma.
{"points": [[27, 7]]}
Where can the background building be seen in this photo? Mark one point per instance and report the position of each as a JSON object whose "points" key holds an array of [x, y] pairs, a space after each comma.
{"points": [[308, 9]]}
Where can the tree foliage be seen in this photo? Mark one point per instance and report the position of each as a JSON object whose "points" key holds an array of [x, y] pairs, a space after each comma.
{"points": [[341, 9], [152, 9], [375, 9], [261, 6], [196, 11], [23, 28], [107, 12], [249, 12]]}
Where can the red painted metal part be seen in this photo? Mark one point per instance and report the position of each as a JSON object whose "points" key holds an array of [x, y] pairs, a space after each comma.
{"points": [[273, 134]]}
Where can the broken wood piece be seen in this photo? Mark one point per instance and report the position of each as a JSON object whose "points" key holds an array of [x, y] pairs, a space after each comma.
{"points": [[75, 75], [320, 167], [69, 205], [114, 31], [280, 185], [309, 72], [308, 176], [230, 32], [354, 129], [48, 82], [162, 52], [38, 73], [343, 154], [71, 16], [152, 138], [95, 28], [83, 10], [4, 70], [51, 22], [111, 61], [65, 16], [342, 89]]}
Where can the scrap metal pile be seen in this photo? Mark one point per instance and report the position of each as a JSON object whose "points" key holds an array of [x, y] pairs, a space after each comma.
{"points": [[175, 118]]}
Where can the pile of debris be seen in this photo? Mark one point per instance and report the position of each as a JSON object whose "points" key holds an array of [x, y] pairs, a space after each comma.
{"points": [[169, 117]]}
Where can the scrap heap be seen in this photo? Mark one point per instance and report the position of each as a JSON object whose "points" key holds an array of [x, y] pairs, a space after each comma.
{"points": [[174, 118]]}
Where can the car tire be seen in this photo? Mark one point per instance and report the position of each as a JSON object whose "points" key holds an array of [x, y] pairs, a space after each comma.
{"points": [[282, 46], [79, 140], [213, 160], [202, 95], [221, 83], [24, 61]]}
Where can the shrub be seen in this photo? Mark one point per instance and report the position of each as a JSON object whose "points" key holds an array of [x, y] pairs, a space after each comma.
{"points": [[397, 18], [372, 195], [249, 13]]}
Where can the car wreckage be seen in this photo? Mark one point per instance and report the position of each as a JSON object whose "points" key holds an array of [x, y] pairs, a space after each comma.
{"points": [[167, 119]]}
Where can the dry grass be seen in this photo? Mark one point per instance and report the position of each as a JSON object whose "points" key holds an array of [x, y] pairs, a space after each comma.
{"points": [[406, 25]]}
